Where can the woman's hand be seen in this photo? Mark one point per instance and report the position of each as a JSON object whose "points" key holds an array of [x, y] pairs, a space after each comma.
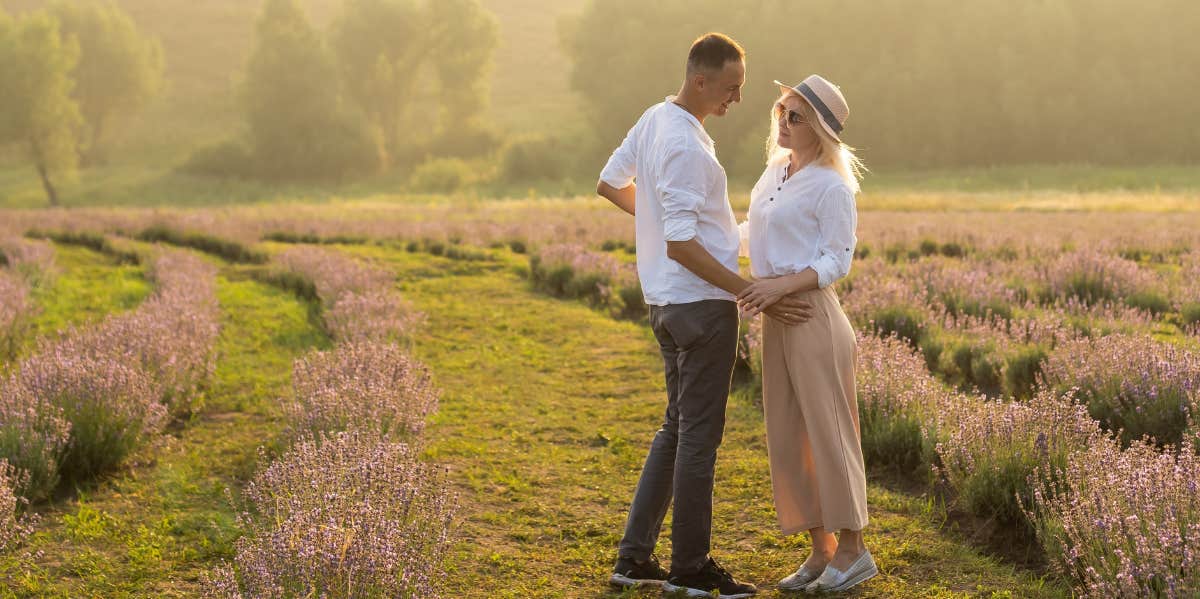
{"points": [[763, 294]]}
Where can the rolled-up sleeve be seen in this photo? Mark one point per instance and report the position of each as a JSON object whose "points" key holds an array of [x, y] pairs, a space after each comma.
{"points": [[682, 186], [621, 168], [744, 238], [837, 219]]}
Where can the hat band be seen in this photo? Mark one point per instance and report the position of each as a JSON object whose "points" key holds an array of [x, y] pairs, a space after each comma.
{"points": [[822, 109]]}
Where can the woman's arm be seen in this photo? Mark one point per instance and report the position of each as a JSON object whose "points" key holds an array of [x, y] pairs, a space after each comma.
{"points": [[837, 220]]}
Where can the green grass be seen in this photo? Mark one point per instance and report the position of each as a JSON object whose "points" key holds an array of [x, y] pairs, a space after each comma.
{"points": [[152, 530], [87, 287], [547, 410]]}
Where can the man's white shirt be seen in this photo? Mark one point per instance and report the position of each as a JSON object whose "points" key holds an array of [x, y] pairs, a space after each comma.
{"points": [[682, 193]]}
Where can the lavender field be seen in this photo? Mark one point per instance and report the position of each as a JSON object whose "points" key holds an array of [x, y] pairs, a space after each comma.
{"points": [[424, 399]]}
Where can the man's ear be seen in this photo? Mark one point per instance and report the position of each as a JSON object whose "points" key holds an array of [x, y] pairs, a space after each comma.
{"points": [[699, 80]]}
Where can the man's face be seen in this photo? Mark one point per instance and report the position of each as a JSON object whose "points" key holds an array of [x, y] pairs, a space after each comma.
{"points": [[722, 88]]}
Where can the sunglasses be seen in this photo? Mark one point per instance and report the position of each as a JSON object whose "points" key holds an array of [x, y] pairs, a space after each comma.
{"points": [[793, 118]]}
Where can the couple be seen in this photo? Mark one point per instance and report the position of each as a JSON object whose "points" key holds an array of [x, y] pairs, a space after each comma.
{"points": [[800, 235]]}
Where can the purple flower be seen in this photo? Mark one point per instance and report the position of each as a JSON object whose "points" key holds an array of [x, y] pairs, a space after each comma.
{"points": [[347, 515], [14, 525], [361, 385]]}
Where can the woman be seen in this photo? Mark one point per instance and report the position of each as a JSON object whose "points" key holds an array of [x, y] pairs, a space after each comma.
{"points": [[800, 232]]}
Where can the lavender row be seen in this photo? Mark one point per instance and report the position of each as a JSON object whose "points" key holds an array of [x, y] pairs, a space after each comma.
{"points": [[360, 303], [602, 280], [83, 402], [899, 235], [349, 510], [945, 310], [24, 265], [1116, 522]]}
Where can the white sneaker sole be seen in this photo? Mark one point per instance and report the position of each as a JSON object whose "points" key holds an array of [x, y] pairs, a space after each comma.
{"points": [[625, 582], [690, 592]]}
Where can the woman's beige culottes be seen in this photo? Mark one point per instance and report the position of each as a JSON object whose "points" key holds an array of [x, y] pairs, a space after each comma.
{"points": [[811, 414]]}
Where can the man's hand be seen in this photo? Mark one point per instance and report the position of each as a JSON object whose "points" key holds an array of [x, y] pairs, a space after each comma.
{"points": [[790, 310]]}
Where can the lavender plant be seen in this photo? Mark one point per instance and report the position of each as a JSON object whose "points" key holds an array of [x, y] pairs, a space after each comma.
{"points": [[1123, 523], [359, 301], [33, 439], [32, 259], [1135, 386], [16, 310], [1187, 293], [899, 405], [112, 407], [974, 288], [1092, 276], [333, 273], [989, 456], [365, 386], [345, 516], [879, 302], [571, 270], [750, 357], [377, 315], [14, 525]]}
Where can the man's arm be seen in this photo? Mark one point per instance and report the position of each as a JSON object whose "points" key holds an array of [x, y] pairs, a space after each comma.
{"points": [[695, 258], [624, 198], [789, 310]]}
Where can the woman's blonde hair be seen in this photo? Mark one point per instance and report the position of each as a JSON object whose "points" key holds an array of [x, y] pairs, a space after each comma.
{"points": [[830, 153]]}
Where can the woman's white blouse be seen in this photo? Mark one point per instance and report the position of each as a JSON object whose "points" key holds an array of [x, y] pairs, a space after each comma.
{"points": [[806, 221]]}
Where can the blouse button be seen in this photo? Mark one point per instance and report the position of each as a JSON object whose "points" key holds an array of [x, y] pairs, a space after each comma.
{"points": [[770, 199]]}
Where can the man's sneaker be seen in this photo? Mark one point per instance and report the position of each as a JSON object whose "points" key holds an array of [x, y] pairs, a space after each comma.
{"points": [[711, 577], [628, 573]]}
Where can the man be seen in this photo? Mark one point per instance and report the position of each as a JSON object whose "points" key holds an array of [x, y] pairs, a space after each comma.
{"points": [[687, 250]]}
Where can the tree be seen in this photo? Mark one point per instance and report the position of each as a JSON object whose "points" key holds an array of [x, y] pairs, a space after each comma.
{"points": [[380, 45], [388, 50], [119, 69], [36, 108], [464, 36], [298, 128]]}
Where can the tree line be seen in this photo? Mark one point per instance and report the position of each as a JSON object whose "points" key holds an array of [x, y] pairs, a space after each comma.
{"points": [[391, 83], [402, 85], [930, 83]]}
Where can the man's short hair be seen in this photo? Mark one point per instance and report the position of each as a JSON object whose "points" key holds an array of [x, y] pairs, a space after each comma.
{"points": [[711, 51]]}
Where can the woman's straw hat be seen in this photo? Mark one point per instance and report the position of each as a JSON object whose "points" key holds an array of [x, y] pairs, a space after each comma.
{"points": [[826, 99]]}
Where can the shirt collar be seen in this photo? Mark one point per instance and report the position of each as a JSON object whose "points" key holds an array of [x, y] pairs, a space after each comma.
{"points": [[691, 118]]}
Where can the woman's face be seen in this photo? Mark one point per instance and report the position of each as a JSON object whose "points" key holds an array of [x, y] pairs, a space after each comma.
{"points": [[795, 132]]}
